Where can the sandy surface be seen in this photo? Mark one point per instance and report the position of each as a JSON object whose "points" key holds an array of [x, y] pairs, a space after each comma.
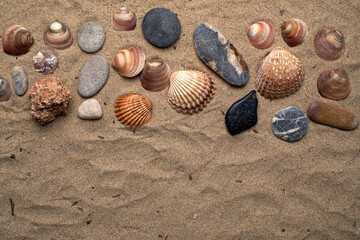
{"points": [[178, 177]]}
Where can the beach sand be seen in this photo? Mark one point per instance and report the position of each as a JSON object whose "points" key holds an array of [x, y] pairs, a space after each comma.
{"points": [[178, 176]]}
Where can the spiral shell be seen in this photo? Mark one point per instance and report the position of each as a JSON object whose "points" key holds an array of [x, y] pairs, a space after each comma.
{"points": [[16, 40], [123, 20], [294, 32], [190, 91], [5, 91], [133, 110], [280, 74], [261, 34], [58, 36], [155, 75], [329, 44], [129, 61], [334, 84]]}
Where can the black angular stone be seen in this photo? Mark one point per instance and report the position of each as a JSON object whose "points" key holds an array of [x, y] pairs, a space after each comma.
{"points": [[242, 115], [220, 55], [161, 27], [289, 124]]}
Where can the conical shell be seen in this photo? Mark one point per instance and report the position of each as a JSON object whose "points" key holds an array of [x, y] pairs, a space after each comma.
{"points": [[279, 75], [5, 91], [58, 36], [190, 91], [123, 20], [294, 32], [133, 110], [334, 84], [329, 44], [261, 34], [155, 75], [129, 61], [16, 40]]}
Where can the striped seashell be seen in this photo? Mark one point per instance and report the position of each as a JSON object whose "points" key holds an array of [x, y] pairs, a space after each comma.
{"points": [[58, 36], [155, 75], [294, 32], [5, 91], [133, 110], [280, 74], [129, 61], [334, 84], [16, 40], [261, 34], [329, 44], [190, 91], [123, 20]]}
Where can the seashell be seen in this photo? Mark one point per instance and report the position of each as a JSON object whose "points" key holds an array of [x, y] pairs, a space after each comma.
{"points": [[5, 91], [45, 62], [16, 40], [133, 110], [329, 44], [261, 34], [58, 36], [129, 61], [190, 91], [123, 20], [280, 74], [155, 75], [294, 32], [334, 84]]}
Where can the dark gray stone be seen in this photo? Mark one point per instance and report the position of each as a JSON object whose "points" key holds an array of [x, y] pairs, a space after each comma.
{"points": [[93, 76], [91, 37], [290, 124], [220, 55], [20, 80], [242, 115], [161, 27]]}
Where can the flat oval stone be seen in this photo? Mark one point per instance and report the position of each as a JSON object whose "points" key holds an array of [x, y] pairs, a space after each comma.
{"points": [[90, 109], [289, 124], [20, 80], [5, 91], [93, 76], [91, 37], [242, 115], [220, 55], [161, 27]]}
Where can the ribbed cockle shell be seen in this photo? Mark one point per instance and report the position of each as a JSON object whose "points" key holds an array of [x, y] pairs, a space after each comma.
{"points": [[16, 40], [129, 61], [123, 20], [190, 91], [294, 32], [329, 44], [133, 110], [58, 36], [155, 75], [279, 75], [261, 34], [334, 84]]}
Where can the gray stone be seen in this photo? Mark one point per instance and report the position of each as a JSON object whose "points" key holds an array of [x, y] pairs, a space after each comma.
{"points": [[90, 109], [93, 76], [20, 80], [290, 124], [91, 37]]}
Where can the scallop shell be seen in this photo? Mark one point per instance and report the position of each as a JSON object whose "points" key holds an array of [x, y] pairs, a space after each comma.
{"points": [[123, 20], [294, 32], [133, 110], [16, 40], [334, 84], [129, 61], [190, 91], [155, 75], [5, 91], [329, 44], [58, 36], [280, 74], [261, 34]]}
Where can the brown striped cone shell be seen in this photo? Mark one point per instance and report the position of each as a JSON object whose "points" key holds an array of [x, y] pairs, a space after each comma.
{"points": [[133, 110], [261, 34], [294, 32], [334, 84], [280, 74], [129, 61], [5, 91], [329, 44], [123, 20], [190, 91], [155, 75], [58, 36], [16, 40]]}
